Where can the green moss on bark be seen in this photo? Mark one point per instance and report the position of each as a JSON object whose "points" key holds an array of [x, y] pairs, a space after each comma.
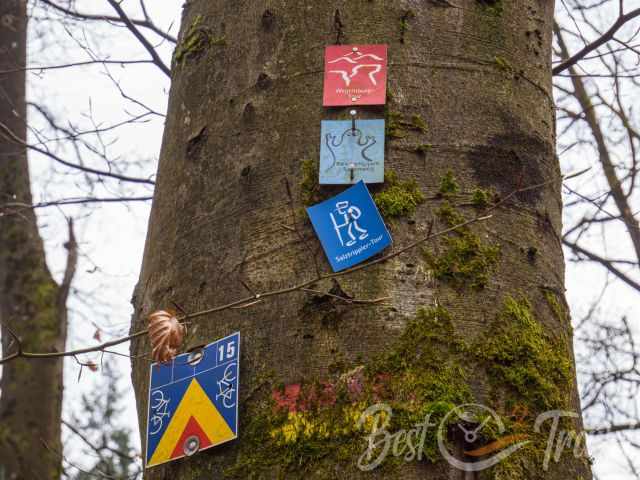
{"points": [[464, 260], [481, 197], [321, 431], [521, 356], [423, 375], [448, 185], [559, 311], [398, 198], [196, 41], [309, 183], [426, 372], [397, 126]]}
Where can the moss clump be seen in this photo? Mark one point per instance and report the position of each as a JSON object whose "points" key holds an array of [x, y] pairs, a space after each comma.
{"points": [[196, 41], [494, 8], [418, 123], [480, 198], [449, 215], [448, 185], [523, 357], [425, 374], [423, 148], [309, 184], [404, 24], [466, 261], [556, 307], [533, 372], [397, 126], [394, 128], [398, 198], [314, 428], [503, 64]]}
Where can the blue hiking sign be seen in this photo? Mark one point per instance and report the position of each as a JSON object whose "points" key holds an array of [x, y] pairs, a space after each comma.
{"points": [[349, 227]]}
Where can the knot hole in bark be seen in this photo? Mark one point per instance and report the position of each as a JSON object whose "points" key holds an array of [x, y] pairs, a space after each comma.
{"points": [[264, 81], [249, 114], [268, 20]]}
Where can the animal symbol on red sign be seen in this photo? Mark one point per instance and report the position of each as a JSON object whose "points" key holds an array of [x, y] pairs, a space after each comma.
{"points": [[355, 75]]}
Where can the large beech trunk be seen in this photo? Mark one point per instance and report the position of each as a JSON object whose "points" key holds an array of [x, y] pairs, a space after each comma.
{"points": [[32, 305], [476, 315]]}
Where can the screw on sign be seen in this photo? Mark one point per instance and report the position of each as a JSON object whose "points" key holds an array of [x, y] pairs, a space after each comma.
{"points": [[193, 401], [355, 75]]}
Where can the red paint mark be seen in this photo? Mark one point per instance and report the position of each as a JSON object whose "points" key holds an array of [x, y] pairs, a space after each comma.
{"points": [[380, 387], [192, 428], [288, 397], [355, 75], [355, 385], [328, 395]]}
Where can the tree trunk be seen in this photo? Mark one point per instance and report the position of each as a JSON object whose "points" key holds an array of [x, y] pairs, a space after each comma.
{"points": [[32, 306], [476, 315]]}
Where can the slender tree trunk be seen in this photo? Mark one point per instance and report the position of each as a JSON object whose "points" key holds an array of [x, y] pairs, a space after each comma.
{"points": [[476, 315], [32, 306]]}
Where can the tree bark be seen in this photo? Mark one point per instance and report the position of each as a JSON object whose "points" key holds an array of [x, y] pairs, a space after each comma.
{"points": [[477, 315], [32, 305]]}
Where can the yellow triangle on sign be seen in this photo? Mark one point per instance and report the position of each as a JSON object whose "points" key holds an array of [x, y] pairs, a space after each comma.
{"points": [[195, 403]]}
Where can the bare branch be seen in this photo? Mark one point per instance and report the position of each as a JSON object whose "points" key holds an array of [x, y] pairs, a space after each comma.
{"points": [[608, 35], [613, 428], [141, 38], [602, 261], [13, 137], [259, 297], [147, 23], [70, 270]]}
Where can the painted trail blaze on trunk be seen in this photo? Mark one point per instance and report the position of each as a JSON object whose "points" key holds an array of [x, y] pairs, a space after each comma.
{"points": [[468, 318]]}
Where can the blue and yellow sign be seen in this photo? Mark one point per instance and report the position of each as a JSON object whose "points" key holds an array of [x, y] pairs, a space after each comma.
{"points": [[193, 401]]}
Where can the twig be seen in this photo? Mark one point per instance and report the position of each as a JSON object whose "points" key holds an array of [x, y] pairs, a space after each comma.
{"points": [[13, 137], [613, 428], [141, 38], [108, 18], [344, 299], [259, 297], [604, 38]]}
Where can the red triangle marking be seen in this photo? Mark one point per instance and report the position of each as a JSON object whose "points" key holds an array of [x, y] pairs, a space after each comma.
{"points": [[192, 428]]}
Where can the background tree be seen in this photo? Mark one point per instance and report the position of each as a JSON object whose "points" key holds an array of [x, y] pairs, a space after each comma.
{"points": [[33, 310], [32, 306], [596, 83], [470, 92], [98, 426]]}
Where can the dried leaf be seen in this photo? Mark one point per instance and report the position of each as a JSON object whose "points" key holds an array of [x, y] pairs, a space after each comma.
{"points": [[166, 334]]}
